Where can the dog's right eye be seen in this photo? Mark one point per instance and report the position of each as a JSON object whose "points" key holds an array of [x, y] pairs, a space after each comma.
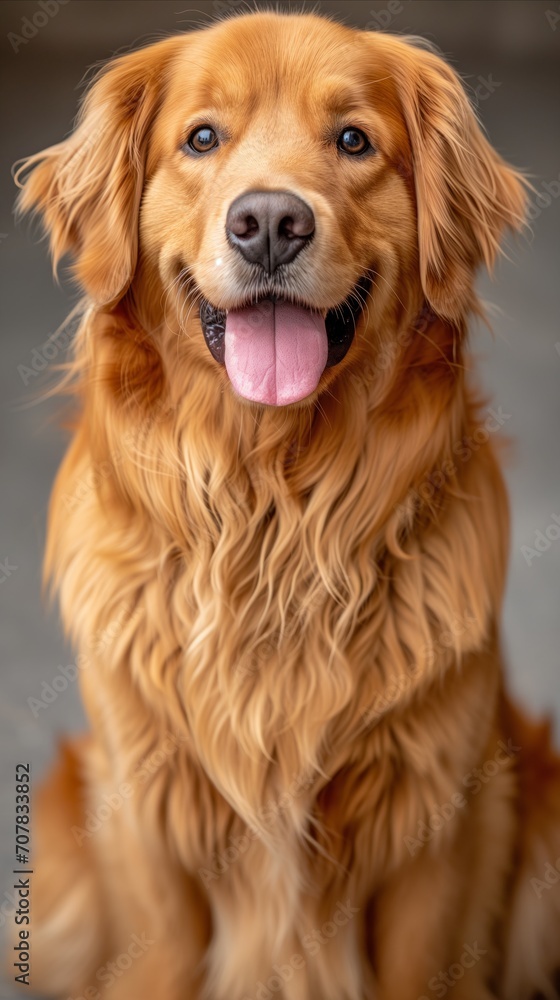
{"points": [[353, 142], [202, 139]]}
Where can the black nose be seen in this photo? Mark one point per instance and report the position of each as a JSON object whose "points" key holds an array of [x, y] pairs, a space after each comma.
{"points": [[269, 227]]}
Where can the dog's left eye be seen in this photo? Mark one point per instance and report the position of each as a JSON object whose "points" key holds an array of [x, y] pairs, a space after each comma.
{"points": [[353, 141], [202, 139]]}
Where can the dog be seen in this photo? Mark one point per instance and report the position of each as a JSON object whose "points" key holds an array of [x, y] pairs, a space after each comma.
{"points": [[279, 538]]}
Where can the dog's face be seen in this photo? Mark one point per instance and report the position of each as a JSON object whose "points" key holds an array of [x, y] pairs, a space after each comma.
{"points": [[301, 186], [278, 194]]}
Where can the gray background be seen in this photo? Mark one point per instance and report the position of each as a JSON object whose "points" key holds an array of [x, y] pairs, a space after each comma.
{"points": [[515, 48]]}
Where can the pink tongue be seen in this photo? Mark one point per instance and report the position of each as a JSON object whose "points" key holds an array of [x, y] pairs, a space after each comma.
{"points": [[275, 351]]}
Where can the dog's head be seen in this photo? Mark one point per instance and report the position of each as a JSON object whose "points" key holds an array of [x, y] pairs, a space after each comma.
{"points": [[291, 188]]}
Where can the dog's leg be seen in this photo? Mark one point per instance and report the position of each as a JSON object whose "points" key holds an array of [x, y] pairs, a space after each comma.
{"points": [[437, 920], [159, 920], [109, 915], [533, 941], [414, 915]]}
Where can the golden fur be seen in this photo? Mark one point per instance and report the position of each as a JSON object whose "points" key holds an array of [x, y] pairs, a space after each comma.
{"points": [[308, 596]]}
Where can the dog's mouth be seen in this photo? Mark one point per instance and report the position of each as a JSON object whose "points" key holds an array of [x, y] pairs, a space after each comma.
{"points": [[274, 350]]}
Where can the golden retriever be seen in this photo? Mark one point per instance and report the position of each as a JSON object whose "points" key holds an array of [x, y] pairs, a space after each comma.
{"points": [[279, 537]]}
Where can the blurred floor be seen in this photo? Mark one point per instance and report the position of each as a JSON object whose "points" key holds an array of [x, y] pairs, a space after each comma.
{"points": [[515, 51]]}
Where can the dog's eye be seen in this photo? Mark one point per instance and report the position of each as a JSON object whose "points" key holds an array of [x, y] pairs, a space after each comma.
{"points": [[353, 141], [202, 139]]}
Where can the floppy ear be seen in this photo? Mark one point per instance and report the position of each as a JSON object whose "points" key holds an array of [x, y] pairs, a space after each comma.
{"points": [[88, 188], [467, 196]]}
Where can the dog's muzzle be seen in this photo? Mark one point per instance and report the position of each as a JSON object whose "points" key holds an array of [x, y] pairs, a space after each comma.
{"points": [[275, 351]]}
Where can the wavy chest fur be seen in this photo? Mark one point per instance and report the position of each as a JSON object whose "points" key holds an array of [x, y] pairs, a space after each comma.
{"points": [[278, 588], [284, 606]]}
